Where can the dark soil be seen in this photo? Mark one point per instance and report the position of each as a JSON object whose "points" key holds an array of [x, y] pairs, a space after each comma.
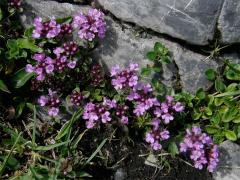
{"points": [[132, 166]]}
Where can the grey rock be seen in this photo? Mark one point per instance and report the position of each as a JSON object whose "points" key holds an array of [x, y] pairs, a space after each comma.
{"points": [[234, 57], [48, 9], [152, 161], [229, 21], [193, 21], [120, 174], [192, 67], [122, 45], [229, 162]]}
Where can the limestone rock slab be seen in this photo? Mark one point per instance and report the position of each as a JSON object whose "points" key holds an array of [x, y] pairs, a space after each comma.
{"points": [[229, 162], [229, 22], [193, 21]]}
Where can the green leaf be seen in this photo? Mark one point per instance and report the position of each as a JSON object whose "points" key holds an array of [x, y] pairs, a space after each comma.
{"points": [[232, 87], [237, 119], [21, 77], [230, 135], [196, 115], [218, 101], [13, 49], [146, 71], [230, 114], [220, 86], [19, 109], [28, 33], [151, 55], [51, 146], [228, 94], [1, 15], [158, 47], [173, 149], [64, 20], [201, 94], [233, 72], [12, 162], [157, 69], [83, 174], [208, 111], [28, 44], [3, 87], [210, 74], [211, 129]]}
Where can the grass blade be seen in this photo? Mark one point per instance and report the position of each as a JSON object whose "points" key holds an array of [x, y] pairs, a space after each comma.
{"points": [[51, 146], [34, 126], [96, 151], [2, 168]]}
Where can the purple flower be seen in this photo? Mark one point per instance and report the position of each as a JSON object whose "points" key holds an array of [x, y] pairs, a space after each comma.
{"points": [[202, 150], [72, 64], [49, 29], [39, 57], [167, 118], [155, 123], [115, 70], [40, 77], [133, 81], [29, 68], [164, 107], [58, 51], [139, 110], [90, 124], [109, 103], [165, 135], [158, 112], [126, 78], [53, 111], [49, 68], [105, 117], [156, 146], [91, 25], [134, 67], [124, 120], [133, 96], [43, 100], [183, 147], [149, 138], [169, 99], [178, 107]]}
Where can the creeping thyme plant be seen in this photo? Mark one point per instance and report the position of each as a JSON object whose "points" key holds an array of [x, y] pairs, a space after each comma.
{"points": [[58, 68]]}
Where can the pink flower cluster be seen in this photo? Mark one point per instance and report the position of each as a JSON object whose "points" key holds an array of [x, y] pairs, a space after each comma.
{"points": [[96, 75], [46, 65], [90, 25], [124, 78], [156, 135], [51, 101], [15, 3], [103, 112], [95, 113], [201, 148], [142, 95], [164, 113], [167, 109], [76, 98], [45, 29]]}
